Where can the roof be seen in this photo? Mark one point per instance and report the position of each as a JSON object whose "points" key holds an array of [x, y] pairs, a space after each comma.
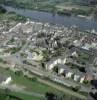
{"points": [[63, 66], [55, 58]]}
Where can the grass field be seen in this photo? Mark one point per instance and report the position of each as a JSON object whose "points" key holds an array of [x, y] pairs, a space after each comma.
{"points": [[6, 96]]}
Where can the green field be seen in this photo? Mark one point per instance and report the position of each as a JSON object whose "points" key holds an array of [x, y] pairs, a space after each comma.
{"points": [[6, 95]]}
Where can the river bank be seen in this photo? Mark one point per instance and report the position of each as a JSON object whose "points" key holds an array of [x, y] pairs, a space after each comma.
{"points": [[59, 7], [83, 24]]}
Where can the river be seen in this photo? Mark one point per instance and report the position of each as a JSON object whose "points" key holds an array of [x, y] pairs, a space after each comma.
{"points": [[82, 23]]}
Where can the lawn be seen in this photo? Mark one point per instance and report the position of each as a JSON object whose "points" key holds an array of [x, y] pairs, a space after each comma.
{"points": [[25, 97], [5, 96]]}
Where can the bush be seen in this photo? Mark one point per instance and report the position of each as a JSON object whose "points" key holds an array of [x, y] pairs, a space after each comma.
{"points": [[76, 88], [2, 10]]}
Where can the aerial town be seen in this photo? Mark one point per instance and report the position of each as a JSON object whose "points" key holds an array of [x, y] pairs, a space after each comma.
{"points": [[63, 55], [44, 61]]}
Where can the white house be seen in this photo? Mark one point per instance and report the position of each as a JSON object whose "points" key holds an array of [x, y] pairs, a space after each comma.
{"points": [[7, 81], [61, 70], [76, 77], [64, 60], [59, 61], [69, 74], [75, 54], [82, 79], [55, 62], [51, 66]]}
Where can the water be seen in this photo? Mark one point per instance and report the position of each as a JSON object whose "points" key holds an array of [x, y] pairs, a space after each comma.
{"points": [[82, 23]]}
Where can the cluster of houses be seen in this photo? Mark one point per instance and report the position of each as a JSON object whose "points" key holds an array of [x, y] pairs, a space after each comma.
{"points": [[59, 65], [87, 41], [52, 38]]}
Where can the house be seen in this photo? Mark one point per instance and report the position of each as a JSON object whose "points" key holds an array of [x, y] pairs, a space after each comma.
{"points": [[88, 77], [51, 66], [86, 47], [61, 70], [76, 77], [59, 61], [82, 79], [69, 74], [64, 60], [74, 54], [55, 61], [5, 80]]}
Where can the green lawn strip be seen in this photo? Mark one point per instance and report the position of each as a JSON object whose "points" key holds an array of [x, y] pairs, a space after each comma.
{"points": [[4, 95], [25, 96]]}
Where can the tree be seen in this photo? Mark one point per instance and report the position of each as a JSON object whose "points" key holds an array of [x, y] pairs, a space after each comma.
{"points": [[50, 96], [7, 91], [2, 10], [55, 69], [43, 65]]}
